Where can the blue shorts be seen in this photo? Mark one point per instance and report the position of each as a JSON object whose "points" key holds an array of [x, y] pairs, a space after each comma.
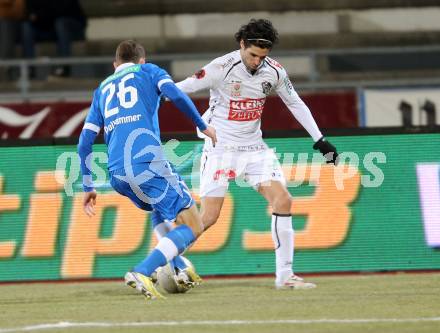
{"points": [[153, 186]]}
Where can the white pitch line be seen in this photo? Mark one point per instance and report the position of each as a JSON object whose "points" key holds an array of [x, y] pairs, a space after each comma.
{"points": [[214, 322]]}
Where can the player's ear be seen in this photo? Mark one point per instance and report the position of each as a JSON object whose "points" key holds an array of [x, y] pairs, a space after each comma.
{"points": [[115, 64], [242, 46], [142, 61]]}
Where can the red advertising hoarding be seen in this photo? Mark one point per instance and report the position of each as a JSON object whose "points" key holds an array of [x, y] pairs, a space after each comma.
{"points": [[65, 119]]}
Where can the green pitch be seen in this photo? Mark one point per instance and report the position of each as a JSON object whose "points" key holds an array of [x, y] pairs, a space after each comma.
{"points": [[364, 303]]}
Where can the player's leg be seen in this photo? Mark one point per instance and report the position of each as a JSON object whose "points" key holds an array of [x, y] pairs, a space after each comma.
{"points": [[282, 231], [161, 228], [210, 184], [214, 183], [171, 245], [188, 227], [175, 202], [264, 173], [189, 222], [143, 283], [210, 210], [280, 200], [185, 274]]}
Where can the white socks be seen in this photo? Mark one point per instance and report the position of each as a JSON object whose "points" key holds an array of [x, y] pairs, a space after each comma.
{"points": [[282, 235], [167, 247]]}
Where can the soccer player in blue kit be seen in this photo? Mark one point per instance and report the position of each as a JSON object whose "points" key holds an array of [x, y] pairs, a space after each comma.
{"points": [[126, 105]]}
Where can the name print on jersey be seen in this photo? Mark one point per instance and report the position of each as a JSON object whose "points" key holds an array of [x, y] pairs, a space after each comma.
{"points": [[246, 109], [121, 120]]}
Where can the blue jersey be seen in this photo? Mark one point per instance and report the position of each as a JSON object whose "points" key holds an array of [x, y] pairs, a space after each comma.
{"points": [[126, 105], [125, 102]]}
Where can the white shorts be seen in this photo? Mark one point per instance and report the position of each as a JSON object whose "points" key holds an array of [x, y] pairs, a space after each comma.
{"points": [[247, 168]]}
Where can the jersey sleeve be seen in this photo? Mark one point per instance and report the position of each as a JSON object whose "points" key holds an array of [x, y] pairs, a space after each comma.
{"points": [[183, 103], [296, 106], [94, 120], [92, 126], [159, 76], [167, 88], [206, 78]]}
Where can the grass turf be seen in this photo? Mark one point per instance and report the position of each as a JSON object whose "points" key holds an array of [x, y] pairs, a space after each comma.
{"points": [[372, 297]]}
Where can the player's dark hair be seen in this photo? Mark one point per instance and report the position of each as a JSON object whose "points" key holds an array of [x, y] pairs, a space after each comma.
{"points": [[259, 33], [129, 51]]}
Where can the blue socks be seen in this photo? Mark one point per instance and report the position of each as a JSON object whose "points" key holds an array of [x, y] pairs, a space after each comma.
{"points": [[178, 263], [182, 236], [161, 228], [155, 259], [175, 242]]}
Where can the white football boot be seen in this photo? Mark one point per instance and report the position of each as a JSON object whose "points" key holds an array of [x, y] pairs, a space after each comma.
{"points": [[295, 282]]}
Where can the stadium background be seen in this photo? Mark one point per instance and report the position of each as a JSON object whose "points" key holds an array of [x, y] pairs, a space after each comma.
{"points": [[369, 72]]}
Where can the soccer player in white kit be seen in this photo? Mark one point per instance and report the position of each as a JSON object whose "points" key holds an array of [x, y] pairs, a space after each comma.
{"points": [[239, 83]]}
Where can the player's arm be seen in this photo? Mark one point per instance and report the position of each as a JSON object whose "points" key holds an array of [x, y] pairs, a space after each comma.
{"points": [[91, 128], [205, 78], [184, 104], [302, 113]]}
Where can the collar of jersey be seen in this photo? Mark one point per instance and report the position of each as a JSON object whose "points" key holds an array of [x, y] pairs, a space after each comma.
{"points": [[256, 71], [123, 66], [244, 66]]}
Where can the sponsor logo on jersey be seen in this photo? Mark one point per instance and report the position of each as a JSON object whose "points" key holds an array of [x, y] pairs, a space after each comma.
{"points": [[228, 174], [236, 89], [266, 87], [200, 74], [246, 109]]}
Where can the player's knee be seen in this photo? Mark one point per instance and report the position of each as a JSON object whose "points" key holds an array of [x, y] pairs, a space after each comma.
{"points": [[209, 218], [195, 225], [197, 229], [282, 203], [192, 219]]}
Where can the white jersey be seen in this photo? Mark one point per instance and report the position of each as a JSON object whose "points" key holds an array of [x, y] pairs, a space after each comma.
{"points": [[237, 98]]}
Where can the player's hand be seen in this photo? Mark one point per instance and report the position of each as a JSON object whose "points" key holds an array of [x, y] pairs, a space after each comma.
{"points": [[327, 149], [210, 132], [89, 203]]}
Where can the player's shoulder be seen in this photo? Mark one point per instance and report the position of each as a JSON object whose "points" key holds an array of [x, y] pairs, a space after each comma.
{"points": [[151, 68], [225, 62], [104, 82], [230, 60], [217, 66], [120, 72], [97, 91], [272, 62], [274, 66], [96, 94]]}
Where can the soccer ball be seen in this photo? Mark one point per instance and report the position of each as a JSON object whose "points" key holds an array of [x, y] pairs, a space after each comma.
{"points": [[166, 279]]}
